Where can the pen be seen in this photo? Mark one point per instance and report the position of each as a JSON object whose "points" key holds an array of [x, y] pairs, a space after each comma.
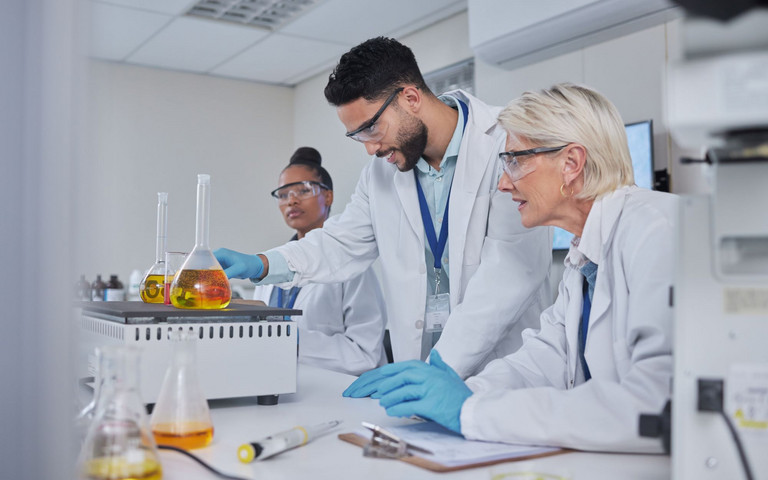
{"points": [[280, 442]]}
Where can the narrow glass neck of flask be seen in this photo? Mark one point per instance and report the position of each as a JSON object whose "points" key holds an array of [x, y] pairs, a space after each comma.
{"points": [[203, 217], [162, 227]]}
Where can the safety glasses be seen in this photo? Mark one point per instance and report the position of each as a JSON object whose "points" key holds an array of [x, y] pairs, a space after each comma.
{"points": [[516, 169], [298, 190], [370, 131]]}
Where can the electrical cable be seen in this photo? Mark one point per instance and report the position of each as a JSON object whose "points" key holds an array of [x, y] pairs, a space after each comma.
{"points": [[198, 460], [739, 446]]}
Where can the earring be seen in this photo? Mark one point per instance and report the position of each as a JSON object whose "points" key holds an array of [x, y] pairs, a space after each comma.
{"points": [[563, 193]]}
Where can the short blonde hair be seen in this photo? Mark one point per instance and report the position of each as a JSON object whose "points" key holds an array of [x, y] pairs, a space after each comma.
{"points": [[567, 113]]}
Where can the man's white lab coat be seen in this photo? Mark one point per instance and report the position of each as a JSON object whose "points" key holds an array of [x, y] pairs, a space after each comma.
{"points": [[498, 269]]}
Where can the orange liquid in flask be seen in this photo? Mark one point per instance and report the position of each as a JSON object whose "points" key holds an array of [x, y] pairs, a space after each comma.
{"points": [[205, 289], [187, 435]]}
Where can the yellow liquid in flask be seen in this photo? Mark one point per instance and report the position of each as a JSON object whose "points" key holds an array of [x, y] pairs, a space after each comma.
{"points": [[118, 468], [153, 289], [203, 289]]}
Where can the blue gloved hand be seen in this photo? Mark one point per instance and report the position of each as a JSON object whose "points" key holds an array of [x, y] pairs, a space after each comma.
{"points": [[433, 391], [367, 384], [239, 265]]}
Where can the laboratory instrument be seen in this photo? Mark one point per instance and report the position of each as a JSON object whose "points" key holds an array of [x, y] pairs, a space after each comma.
{"points": [[173, 263], [118, 444], [717, 104], [97, 289], [231, 343], [181, 417], [201, 282], [152, 287], [280, 442]]}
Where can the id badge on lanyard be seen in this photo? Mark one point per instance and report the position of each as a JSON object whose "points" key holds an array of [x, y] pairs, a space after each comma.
{"points": [[438, 309]]}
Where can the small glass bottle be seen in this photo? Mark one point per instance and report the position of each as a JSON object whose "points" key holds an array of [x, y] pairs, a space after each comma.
{"points": [[181, 417], [119, 445], [201, 282], [97, 289], [115, 291], [152, 287], [83, 290]]}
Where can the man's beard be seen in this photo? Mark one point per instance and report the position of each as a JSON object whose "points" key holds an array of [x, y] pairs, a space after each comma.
{"points": [[413, 140]]}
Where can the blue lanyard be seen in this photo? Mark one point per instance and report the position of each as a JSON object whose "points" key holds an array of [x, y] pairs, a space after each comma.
{"points": [[584, 328], [437, 245], [292, 294]]}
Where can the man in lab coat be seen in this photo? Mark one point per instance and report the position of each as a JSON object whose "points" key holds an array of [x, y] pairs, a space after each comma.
{"points": [[435, 166]]}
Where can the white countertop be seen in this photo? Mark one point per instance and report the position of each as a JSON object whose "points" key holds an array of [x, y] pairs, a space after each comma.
{"points": [[319, 399]]}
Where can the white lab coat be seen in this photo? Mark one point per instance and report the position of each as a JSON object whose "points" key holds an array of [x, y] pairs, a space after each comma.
{"points": [[498, 269], [342, 324], [538, 395]]}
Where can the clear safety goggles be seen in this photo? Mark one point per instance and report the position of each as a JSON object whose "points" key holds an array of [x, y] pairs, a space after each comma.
{"points": [[371, 131], [516, 169], [298, 190]]}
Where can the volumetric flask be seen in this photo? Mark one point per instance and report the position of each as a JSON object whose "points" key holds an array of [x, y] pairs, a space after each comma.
{"points": [[181, 416], [152, 287], [119, 445], [201, 282]]}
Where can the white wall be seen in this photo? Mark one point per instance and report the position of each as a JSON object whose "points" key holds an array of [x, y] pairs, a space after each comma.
{"points": [[155, 130]]}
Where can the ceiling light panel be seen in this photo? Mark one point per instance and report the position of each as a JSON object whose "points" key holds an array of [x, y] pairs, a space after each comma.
{"points": [[171, 7], [269, 14]]}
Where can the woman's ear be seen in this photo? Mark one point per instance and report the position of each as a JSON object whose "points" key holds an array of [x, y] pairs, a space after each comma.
{"points": [[575, 159], [328, 199]]}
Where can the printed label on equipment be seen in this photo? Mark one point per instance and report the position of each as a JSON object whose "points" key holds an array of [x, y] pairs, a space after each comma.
{"points": [[745, 301], [746, 397]]}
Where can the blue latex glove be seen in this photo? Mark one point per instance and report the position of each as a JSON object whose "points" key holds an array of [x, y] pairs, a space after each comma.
{"points": [[239, 265], [433, 391], [367, 384]]}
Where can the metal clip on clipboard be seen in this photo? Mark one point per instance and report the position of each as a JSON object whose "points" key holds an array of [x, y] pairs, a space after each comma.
{"points": [[385, 444]]}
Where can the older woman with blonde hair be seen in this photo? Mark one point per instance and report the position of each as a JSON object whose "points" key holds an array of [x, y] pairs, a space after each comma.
{"points": [[603, 354]]}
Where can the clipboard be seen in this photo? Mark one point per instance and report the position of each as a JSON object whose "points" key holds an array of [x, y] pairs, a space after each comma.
{"points": [[419, 461]]}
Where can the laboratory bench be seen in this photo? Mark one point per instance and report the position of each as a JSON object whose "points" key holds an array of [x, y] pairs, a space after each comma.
{"points": [[318, 399]]}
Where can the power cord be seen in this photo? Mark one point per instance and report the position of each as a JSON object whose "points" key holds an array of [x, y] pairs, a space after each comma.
{"points": [[711, 400], [198, 460]]}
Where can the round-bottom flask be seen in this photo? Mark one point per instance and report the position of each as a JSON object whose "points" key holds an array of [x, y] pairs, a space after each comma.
{"points": [[119, 445], [181, 417], [201, 282]]}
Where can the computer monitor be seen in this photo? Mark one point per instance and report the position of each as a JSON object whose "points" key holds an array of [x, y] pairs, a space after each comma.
{"points": [[640, 141]]}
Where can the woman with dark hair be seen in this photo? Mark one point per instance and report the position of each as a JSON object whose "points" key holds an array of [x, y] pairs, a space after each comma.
{"points": [[342, 325]]}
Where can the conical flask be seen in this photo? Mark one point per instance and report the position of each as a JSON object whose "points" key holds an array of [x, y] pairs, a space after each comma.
{"points": [[152, 287], [119, 444], [201, 282], [181, 416]]}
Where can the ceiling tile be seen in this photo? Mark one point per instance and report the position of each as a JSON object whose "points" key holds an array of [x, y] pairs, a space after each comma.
{"points": [[196, 45], [266, 61], [171, 7], [349, 22], [116, 31]]}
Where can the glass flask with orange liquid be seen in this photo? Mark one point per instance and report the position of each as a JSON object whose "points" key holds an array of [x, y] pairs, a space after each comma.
{"points": [[181, 417], [201, 282], [119, 444], [152, 287]]}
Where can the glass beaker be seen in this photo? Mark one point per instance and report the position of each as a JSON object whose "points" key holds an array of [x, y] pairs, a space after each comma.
{"points": [[152, 287], [201, 282], [119, 444], [181, 416], [173, 263]]}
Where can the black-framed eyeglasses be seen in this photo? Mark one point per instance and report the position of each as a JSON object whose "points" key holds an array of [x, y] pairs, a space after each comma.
{"points": [[514, 169], [369, 132], [299, 190]]}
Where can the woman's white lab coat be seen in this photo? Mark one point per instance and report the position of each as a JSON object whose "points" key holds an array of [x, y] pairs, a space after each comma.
{"points": [[498, 269], [538, 395], [342, 324]]}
